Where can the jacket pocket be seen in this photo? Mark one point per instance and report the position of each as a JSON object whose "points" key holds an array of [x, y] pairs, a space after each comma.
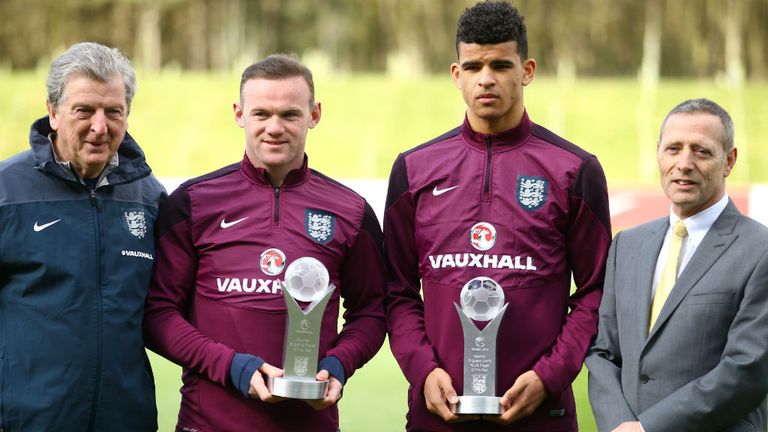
{"points": [[711, 298]]}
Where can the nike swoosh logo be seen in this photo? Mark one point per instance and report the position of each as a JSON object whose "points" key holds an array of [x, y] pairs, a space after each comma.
{"points": [[438, 192], [224, 224], [39, 228]]}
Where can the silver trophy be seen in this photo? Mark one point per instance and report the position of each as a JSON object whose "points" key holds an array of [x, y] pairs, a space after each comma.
{"points": [[482, 299], [306, 280]]}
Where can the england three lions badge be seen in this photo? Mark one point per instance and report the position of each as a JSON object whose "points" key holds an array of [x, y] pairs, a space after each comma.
{"points": [[319, 225], [531, 192], [136, 222]]}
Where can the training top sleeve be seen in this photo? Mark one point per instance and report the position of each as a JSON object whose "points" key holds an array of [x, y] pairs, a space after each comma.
{"points": [[588, 241], [405, 307], [166, 328], [362, 288]]}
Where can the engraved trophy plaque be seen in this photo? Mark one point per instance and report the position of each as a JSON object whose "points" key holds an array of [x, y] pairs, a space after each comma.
{"points": [[306, 280], [482, 299]]}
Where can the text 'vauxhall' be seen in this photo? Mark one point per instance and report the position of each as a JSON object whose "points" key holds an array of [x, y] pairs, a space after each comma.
{"points": [[482, 261]]}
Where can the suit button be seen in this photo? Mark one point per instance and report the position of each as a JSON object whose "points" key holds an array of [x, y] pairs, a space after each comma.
{"points": [[644, 378]]}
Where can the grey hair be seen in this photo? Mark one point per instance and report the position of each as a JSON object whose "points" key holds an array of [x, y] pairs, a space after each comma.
{"points": [[94, 61], [705, 106]]}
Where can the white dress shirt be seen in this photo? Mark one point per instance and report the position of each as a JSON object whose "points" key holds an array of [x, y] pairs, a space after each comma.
{"points": [[698, 226]]}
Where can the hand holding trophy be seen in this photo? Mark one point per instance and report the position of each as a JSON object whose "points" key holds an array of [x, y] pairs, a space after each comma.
{"points": [[482, 299], [306, 280]]}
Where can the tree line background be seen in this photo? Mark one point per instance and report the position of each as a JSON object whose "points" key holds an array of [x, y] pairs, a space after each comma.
{"points": [[652, 38]]}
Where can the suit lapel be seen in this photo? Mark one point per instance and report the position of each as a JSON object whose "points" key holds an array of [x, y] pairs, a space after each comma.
{"points": [[713, 245], [646, 265]]}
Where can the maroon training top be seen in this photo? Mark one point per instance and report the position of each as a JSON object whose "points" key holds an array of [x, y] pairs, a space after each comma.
{"points": [[523, 207], [224, 241]]}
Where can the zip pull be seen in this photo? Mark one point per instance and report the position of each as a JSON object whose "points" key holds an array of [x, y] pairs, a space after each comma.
{"points": [[277, 206], [488, 159], [94, 202]]}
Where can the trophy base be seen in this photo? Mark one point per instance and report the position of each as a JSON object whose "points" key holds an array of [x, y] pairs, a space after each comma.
{"points": [[477, 405], [297, 389]]}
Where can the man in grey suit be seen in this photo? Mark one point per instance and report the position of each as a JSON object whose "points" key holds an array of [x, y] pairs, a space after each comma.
{"points": [[682, 343]]}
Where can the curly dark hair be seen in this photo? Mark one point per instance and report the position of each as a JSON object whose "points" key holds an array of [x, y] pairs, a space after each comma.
{"points": [[493, 22]]}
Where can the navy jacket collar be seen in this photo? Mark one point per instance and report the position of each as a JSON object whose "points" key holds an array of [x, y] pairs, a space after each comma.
{"points": [[133, 164]]}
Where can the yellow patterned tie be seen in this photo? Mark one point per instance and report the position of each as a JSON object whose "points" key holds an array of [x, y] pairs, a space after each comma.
{"points": [[669, 275]]}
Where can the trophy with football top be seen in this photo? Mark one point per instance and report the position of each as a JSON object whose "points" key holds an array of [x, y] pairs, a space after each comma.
{"points": [[306, 280], [482, 299]]}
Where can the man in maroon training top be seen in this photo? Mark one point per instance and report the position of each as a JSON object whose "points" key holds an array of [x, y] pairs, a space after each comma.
{"points": [[224, 241], [502, 197]]}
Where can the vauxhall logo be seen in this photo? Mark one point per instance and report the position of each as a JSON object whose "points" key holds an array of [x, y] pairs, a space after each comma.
{"points": [[482, 236], [482, 261], [271, 262], [252, 285]]}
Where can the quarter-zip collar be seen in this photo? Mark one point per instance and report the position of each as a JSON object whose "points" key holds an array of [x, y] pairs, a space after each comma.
{"points": [[507, 139], [260, 177]]}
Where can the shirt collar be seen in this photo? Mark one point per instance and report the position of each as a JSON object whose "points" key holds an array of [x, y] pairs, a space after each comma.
{"points": [[64, 164], [699, 224]]}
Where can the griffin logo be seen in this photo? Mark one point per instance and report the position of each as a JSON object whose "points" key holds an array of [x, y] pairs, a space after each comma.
{"points": [[272, 261], [482, 236]]}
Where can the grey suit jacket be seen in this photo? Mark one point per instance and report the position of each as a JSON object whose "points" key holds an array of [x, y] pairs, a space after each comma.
{"points": [[704, 365]]}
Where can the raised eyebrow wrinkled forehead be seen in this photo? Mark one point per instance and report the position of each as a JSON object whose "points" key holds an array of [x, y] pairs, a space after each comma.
{"points": [[672, 139], [95, 104]]}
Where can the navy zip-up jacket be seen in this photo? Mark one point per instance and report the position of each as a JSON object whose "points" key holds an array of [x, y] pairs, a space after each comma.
{"points": [[74, 271]]}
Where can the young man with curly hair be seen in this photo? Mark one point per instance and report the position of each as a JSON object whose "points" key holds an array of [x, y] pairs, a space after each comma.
{"points": [[504, 198]]}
